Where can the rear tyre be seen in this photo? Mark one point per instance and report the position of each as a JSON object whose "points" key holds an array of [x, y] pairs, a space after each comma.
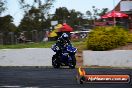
{"points": [[55, 62]]}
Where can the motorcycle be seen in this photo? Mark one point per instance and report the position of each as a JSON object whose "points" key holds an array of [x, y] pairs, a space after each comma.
{"points": [[65, 58]]}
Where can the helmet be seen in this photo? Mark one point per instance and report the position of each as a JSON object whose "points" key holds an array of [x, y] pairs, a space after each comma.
{"points": [[64, 36]]}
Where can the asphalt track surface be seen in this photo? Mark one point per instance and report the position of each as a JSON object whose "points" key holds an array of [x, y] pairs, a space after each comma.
{"points": [[32, 77]]}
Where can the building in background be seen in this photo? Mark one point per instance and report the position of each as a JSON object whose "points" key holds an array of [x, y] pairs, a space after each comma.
{"points": [[125, 6]]}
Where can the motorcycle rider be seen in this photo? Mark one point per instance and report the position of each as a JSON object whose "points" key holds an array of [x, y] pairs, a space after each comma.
{"points": [[61, 42], [65, 52]]}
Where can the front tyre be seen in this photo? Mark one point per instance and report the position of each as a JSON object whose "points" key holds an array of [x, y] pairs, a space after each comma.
{"points": [[55, 62]]}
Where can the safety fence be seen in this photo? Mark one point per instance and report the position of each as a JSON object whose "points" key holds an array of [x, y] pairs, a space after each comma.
{"points": [[22, 37]]}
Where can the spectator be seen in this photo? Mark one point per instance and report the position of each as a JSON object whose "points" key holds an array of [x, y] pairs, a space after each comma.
{"points": [[21, 38]]}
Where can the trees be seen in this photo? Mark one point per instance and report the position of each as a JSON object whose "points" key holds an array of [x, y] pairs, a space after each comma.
{"points": [[35, 16], [6, 24], [72, 17], [6, 29], [2, 6], [89, 14], [103, 11], [96, 13], [30, 21], [61, 14]]}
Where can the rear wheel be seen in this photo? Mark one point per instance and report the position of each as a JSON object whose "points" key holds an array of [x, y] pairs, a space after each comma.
{"points": [[55, 62]]}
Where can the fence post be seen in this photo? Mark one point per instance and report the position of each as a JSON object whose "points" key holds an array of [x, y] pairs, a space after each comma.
{"points": [[1, 38]]}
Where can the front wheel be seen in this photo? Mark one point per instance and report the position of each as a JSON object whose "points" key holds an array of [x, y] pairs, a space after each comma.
{"points": [[72, 63], [55, 62]]}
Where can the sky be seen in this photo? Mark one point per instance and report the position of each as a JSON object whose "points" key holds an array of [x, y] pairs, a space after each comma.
{"points": [[78, 5]]}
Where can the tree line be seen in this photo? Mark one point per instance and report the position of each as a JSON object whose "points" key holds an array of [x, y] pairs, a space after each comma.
{"points": [[37, 17]]}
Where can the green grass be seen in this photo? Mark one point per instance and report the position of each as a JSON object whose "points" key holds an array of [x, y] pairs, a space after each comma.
{"points": [[28, 45], [80, 45], [77, 44]]}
